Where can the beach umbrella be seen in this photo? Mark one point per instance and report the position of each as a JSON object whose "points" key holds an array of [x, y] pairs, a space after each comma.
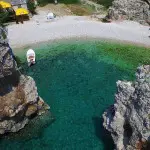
{"points": [[21, 11], [5, 4]]}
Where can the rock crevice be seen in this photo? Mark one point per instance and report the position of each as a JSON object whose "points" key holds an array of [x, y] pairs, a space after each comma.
{"points": [[128, 119]]}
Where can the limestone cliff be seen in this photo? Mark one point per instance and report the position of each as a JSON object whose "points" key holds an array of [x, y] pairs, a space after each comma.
{"points": [[137, 10], [128, 119], [19, 100]]}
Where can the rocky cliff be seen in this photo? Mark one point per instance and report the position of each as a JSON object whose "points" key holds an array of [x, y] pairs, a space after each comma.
{"points": [[137, 10], [19, 100], [128, 119]]}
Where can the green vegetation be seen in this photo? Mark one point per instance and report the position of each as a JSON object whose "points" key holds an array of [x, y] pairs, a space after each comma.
{"points": [[105, 3], [134, 55], [80, 10], [3, 17], [6, 15], [42, 3], [45, 2], [31, 6], [69, 1]]}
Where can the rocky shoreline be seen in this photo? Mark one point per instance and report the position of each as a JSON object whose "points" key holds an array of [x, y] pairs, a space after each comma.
{"points": [[128, 120], [19, 105], [19, 99], [137, 10]]}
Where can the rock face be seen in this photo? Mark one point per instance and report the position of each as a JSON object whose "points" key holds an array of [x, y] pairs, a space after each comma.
{"points": [[128, 119], [19, 105], [19, 100], [7, 63], [137, 10]]}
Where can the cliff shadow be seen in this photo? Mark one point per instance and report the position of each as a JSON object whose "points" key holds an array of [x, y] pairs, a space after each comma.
{"points": [[7, 82], [103, 134]]}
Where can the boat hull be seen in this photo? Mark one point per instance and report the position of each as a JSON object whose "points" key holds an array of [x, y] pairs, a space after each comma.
{"points": [[30, 57]]}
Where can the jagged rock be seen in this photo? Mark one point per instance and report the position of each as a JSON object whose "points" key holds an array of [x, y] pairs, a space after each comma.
{"points": [[42, 106], [19, 99], [32, 109], [18, 105], [7, 63], [137, 10], [128, 119], [12, 126]]}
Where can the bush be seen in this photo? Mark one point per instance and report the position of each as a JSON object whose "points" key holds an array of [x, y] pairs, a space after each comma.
{"points": [[105, 3], [3, 16], [31, 6], [45, 2]]}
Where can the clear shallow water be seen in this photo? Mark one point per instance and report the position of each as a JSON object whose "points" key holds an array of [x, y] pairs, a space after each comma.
{"points": [[78, 81]]}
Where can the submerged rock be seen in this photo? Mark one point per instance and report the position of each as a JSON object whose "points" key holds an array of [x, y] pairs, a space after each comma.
{"points": [[128, 119], [19, 99], [137, 10]]}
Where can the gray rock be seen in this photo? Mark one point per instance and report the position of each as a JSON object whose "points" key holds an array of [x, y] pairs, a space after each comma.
{"points": [[19, 99], [128, 119], [19, 105], [137, 10], [7, 63]]}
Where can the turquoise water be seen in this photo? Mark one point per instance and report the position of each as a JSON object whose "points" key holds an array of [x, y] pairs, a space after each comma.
{"points": [[78, 81]]}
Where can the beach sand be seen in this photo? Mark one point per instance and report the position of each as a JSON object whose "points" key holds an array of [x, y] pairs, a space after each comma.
{"points": [[38, 29]]}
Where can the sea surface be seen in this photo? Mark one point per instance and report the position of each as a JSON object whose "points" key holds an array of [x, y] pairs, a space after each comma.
{"points": [[78, 81]]}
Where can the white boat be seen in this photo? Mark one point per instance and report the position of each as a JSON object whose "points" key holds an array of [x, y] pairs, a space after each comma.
{"points": [[50, 16], [30, 57]]}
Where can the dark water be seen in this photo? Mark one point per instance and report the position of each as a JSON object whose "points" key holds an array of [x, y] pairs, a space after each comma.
{"points": [[78, 81]]}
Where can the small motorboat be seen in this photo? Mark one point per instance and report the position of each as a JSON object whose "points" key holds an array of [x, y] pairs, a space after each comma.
{"points": [[50, 16], [30, 57]]}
